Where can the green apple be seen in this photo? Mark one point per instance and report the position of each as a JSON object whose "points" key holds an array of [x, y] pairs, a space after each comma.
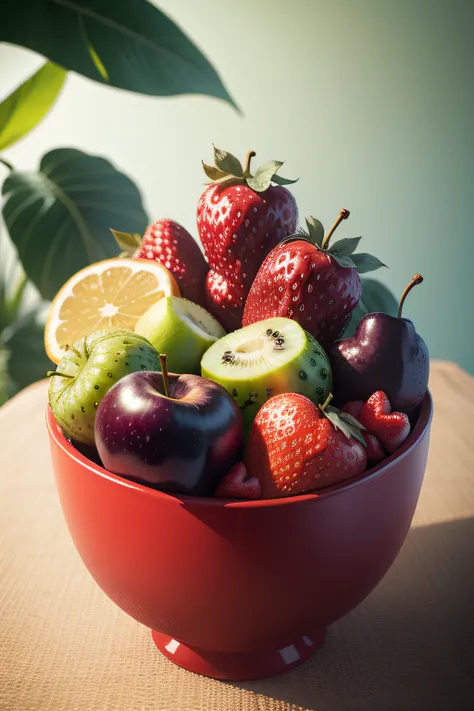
{"points": [[88, 370], [180, 329]]}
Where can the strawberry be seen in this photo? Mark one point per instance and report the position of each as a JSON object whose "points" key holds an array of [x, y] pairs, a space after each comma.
{"points": [[240, 218], [374, 450], [168, 243], [237, 484], [390, 428], [295, 446], [306, 280]]}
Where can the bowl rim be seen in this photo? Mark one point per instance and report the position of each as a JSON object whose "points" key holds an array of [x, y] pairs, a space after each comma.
{"points": [[420, 429]]}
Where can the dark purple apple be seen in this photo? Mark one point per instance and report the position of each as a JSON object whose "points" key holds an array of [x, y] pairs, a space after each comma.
{"points": [[177, 433], [386, 353]]}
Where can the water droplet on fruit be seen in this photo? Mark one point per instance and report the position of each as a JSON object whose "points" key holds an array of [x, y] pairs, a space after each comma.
{"points": [[83, 408], [96, 387], [303, 375], [319, 391]]}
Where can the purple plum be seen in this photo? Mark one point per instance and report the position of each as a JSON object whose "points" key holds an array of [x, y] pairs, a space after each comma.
{"points": [[386, 353]]}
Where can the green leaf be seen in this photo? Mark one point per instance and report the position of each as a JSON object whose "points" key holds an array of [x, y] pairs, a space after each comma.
{"points": [[7, 387], [129, 45], [345, 247], [283, 181], [348, 427], [214, 173], [28, 105], [351, 420], [344, 261], [24, 341], [378, 297], [366, 262], [263, 176], [128, 243], [315, 230], [59, 218], [227, 163]]}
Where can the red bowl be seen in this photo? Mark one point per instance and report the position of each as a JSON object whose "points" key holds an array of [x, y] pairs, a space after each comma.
{"points": [[239, 589]]}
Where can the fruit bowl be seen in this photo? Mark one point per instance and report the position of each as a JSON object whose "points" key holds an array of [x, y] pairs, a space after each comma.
{"points": [[239, 589]]}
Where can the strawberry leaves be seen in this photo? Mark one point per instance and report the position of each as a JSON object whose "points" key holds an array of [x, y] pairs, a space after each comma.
{"points": [[345, 247], [366, 262], [128, 243], [343, 251], [228, 163], [228, 170], [348, 425]]}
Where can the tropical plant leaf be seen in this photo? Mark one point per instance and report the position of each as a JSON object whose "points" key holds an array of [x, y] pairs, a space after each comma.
{"points": [[59, 218], [129, 45], [28, 105], [23, 340], [378, 297], [7, 388]]}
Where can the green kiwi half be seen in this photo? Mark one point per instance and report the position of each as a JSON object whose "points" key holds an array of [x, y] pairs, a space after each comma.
{"points": [[267, 358]]}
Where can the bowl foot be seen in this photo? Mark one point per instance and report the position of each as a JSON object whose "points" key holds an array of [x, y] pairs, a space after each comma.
{"points": [[239, 666]]}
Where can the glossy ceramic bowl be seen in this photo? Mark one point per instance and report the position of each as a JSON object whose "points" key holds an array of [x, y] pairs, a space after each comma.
{"points": [[239, 590]]}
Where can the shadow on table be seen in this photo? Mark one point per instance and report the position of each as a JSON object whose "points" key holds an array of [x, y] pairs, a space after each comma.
{"points": [[409, 646]]}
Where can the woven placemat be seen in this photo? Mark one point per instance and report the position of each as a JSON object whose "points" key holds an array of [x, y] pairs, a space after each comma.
{"points": [[64, 646]]}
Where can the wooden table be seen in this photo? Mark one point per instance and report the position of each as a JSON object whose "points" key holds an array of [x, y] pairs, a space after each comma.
{"points": [[410, 646]]}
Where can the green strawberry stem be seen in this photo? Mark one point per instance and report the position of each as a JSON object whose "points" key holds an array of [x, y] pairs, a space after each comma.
{"points": [[248, 158], [164, 374], [326, 402], [417, 279], [73, 349], [343, 215]]}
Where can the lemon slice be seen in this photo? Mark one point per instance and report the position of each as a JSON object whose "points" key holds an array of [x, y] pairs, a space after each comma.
{"points": [[113, 293]]}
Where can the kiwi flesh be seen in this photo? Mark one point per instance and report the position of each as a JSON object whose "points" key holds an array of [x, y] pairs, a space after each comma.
{"points": [[267, 358]]}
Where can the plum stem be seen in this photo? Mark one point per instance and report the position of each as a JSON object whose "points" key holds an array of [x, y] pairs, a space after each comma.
{"points": [[164, 374], [343, 215], [326, 402], [248, 158], [417, 279]]}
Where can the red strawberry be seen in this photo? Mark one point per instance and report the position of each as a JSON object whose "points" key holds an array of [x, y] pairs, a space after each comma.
{"points": [[374, 450], [390, 428], [240, 218], [306, 280], [168, 243], [353, 408], [237, 484], [294, 448]]}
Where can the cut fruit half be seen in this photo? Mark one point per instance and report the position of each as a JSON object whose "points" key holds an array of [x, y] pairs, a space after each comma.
{"points": [[182, 330], [113, 293], [265, 359]]}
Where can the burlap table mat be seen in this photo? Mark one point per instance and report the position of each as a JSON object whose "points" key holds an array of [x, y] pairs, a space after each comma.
{"points": [[410, 646]]}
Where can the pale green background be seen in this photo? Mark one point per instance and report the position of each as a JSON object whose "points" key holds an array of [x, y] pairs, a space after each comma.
{"points": [[370, 102]]}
